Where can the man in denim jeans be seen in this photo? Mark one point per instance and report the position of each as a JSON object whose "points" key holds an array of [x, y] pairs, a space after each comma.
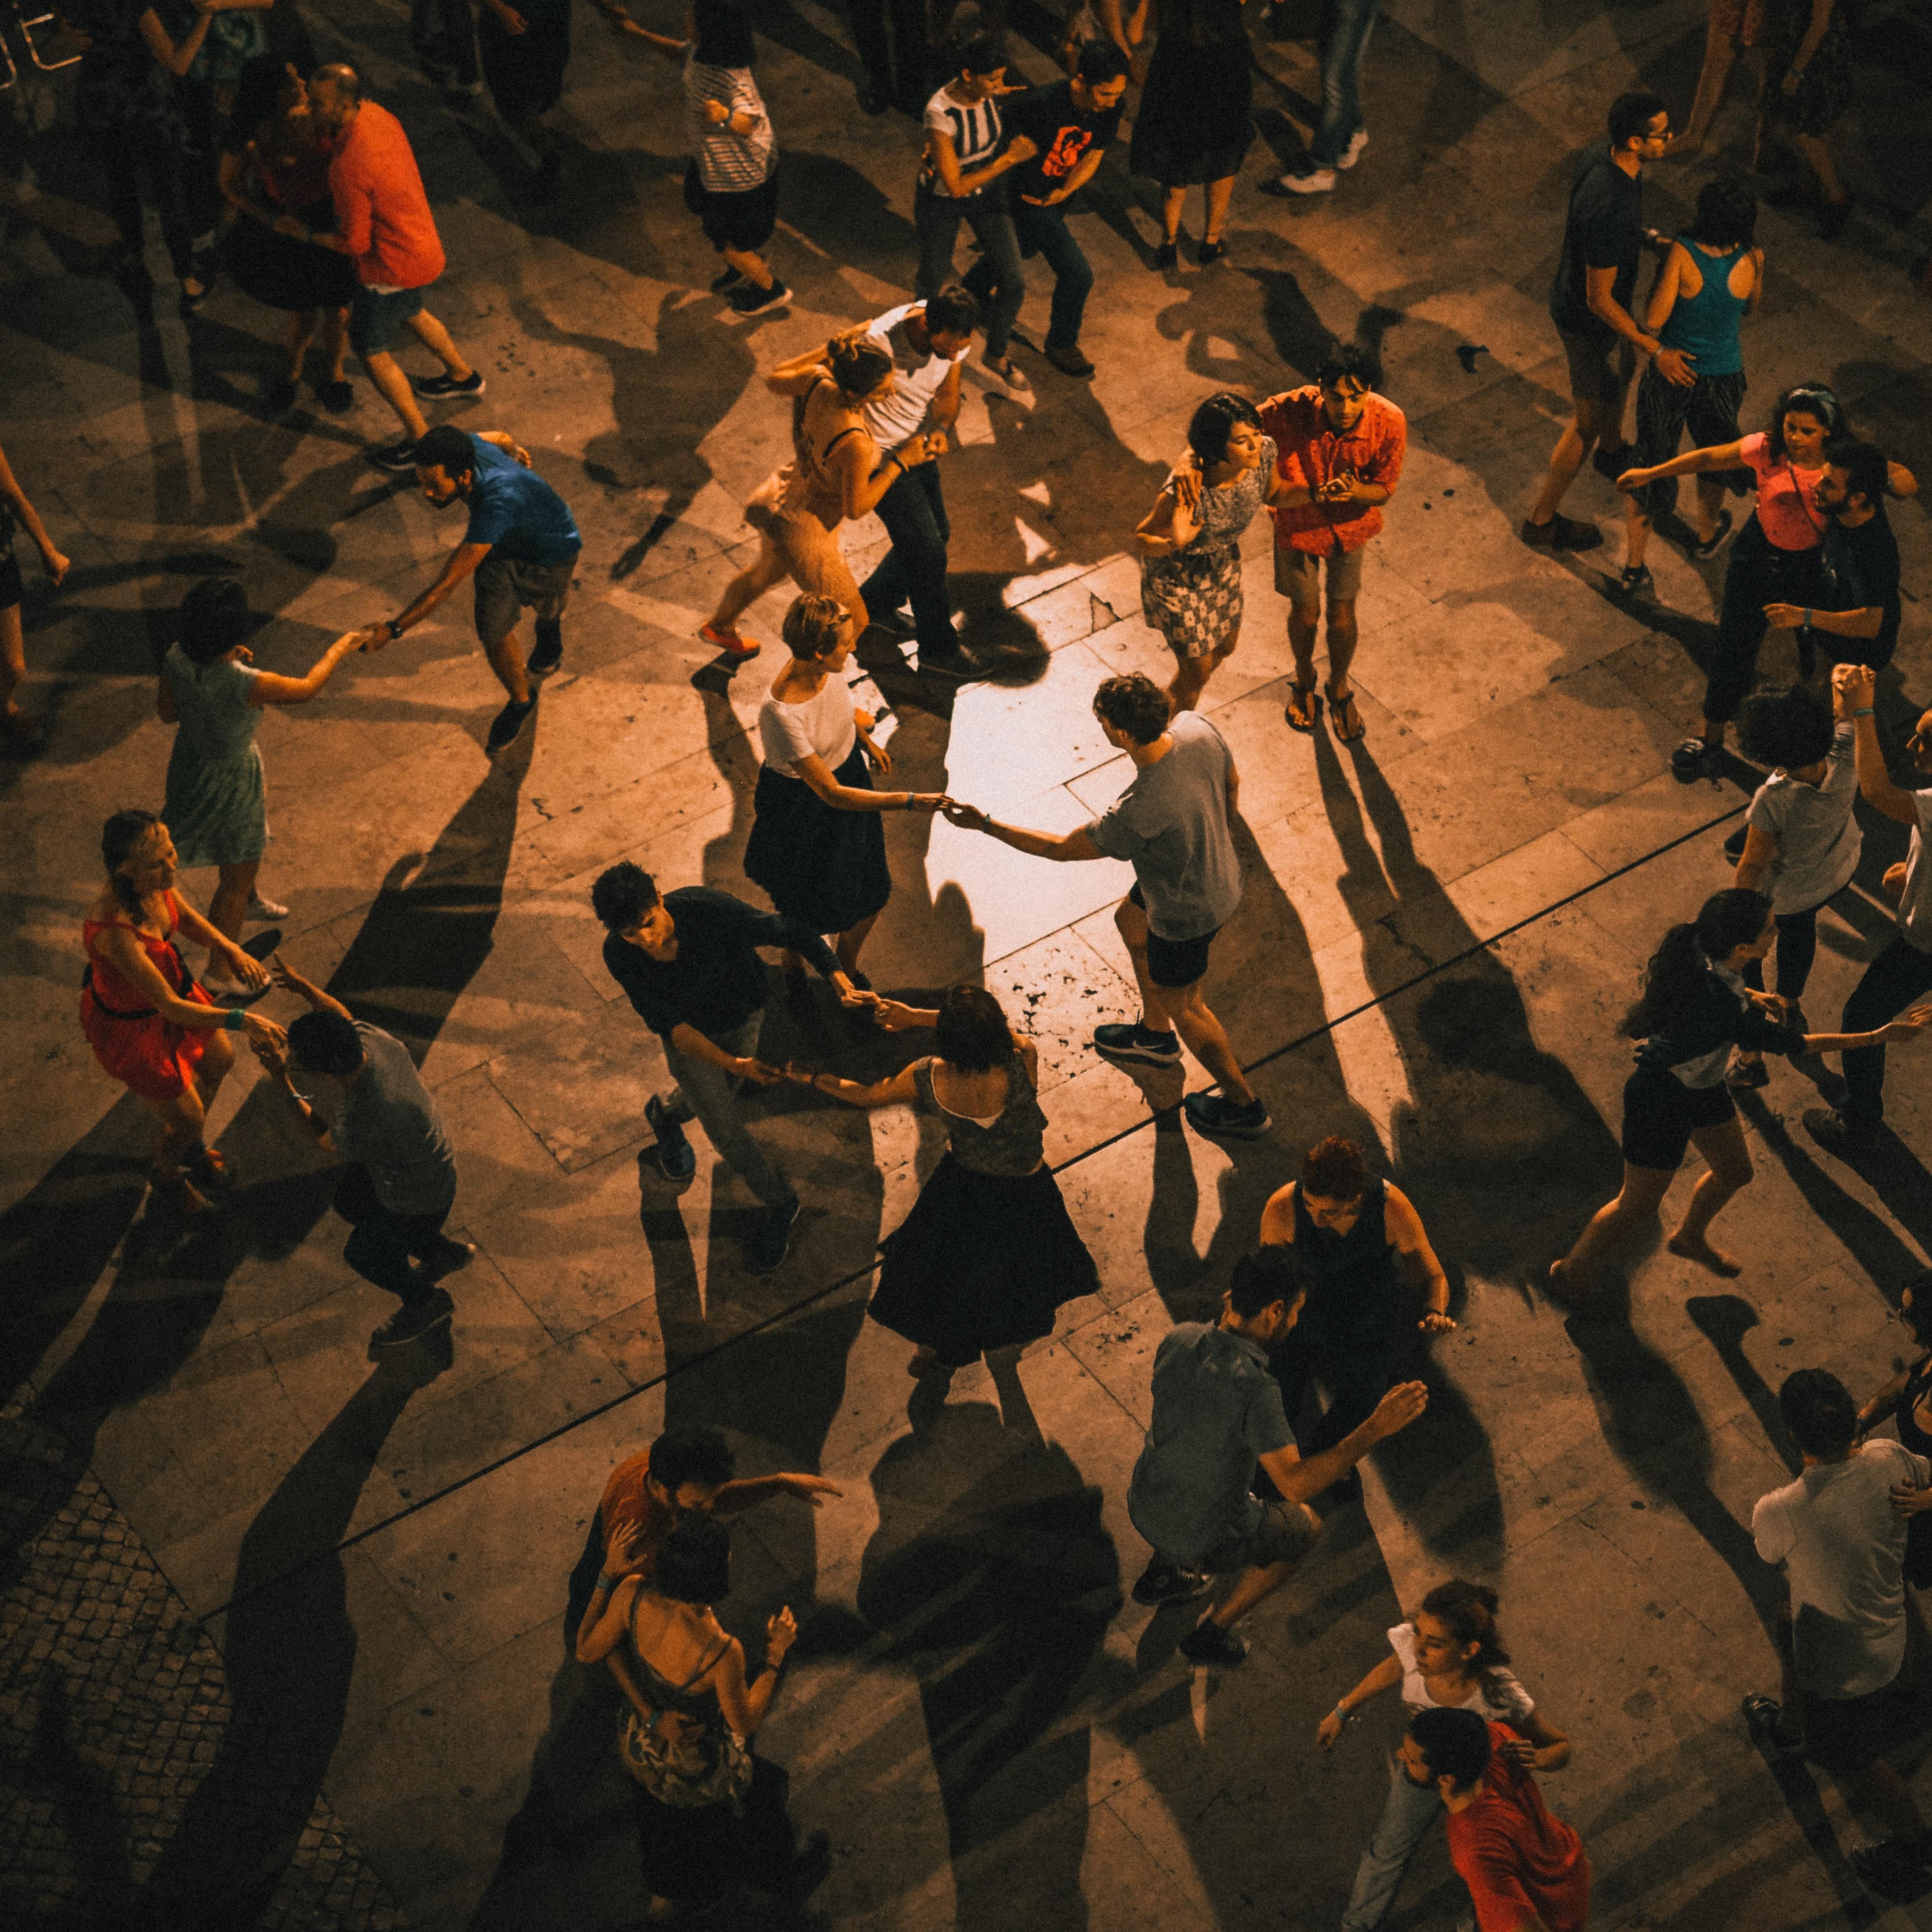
{"points": [[689, 961], [1339, 135]]}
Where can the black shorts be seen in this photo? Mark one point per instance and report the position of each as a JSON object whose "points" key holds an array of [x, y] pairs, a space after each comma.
{"points": [[1175, 963], [743, 220], [1847, 1735], [1661, 1114], [11, 589]]}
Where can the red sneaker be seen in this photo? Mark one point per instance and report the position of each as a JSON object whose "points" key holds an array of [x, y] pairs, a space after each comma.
{"points": [[725, 638]]}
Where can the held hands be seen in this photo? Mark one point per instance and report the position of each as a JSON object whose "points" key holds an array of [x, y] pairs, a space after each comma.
{"points": [[373, 637], [894, 1015], [1632, 481], [1521, 1751], [271, 1045], [716, 112], [1437, 1321], [813, 1488], [1856, 684], [755, 1070], [1339, 489], [969, 816], [1398, 1409]]}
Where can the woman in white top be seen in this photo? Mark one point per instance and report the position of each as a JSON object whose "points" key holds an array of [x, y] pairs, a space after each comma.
{"points": [[817, 845], [1448, 1655]]}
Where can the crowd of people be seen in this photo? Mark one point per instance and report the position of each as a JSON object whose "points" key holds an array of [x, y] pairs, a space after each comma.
{"points": [[326, 220]]}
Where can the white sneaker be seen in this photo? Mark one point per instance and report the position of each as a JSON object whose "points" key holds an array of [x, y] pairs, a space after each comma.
{"points": [[260, 907], [1352, 153], [219, 987], [1313, 180]]}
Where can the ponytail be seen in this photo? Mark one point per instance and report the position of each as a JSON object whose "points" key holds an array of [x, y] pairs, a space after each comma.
{"points": [[1726, 921]]}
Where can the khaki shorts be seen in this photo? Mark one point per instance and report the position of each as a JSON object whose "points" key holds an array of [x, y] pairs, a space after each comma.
{"points": [[1600, 367], [505, 588], [1287, 1533], [1297, 574]]}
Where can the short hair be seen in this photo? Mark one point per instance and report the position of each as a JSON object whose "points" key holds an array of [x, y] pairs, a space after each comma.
{"points": [[1819, 1410], [984, 53], [695, 1565], [622, 895], [695, 1454], [1632, 113], [446, 448], [1455, 1743], [724, 33], [1726, 216], [213, 619], [1341, 359], [813, 624], [1805, 399], [1867, 474], [954, 311], [858, 364], [1100, 61], [1134, 704], [339, 74], [1334, 1169], [1261, 1280], [972, 1033], [325, 1043], [1212, 422], [1787, 727]]}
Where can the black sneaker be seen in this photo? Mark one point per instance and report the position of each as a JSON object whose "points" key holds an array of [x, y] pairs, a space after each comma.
{"points": [[752, 300], [1693, 758], [549, 652], [677, 1158], [336, 397], [1161, 1583], [1636, 581], [1895, 1868], [771, 1239], [1734, 846], [1836, 1135], [508, 722], [1216, 1113], [1207, 1642], [1748, 1074], [1704, 549], [1761, 1716], [279, 400], [1070, 359], [959, 665], [395, 455], [442, 388], [723, 285], [1130, 1040], [414, 1318]]}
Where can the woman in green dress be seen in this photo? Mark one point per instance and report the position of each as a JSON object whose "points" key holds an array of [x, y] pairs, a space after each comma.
{"points": [[216, 808]]}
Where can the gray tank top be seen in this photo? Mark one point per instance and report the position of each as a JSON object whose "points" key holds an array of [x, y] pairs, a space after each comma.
{"points": [[1012, 1144]]}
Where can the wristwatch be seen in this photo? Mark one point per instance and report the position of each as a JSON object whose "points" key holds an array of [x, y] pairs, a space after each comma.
{"points": [[395, 629]]}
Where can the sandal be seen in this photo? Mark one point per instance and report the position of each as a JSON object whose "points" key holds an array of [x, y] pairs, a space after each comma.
{"points": [[1346, 717], [1304, 707], [208, 1170]]}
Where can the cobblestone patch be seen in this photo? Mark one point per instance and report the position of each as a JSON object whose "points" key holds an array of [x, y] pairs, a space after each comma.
{"points": [[113, 1705]]}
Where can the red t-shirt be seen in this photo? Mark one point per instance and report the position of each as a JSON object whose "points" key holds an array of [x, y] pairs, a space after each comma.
{"points": [[1520, 1864], [381, 212], [628, 1501], [1785, 511], [1308, 452]]}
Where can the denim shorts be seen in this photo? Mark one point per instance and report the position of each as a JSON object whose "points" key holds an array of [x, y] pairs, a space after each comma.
{"points": [[375, 319]]}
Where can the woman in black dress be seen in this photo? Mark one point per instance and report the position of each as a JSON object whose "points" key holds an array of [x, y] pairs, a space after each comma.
{"points": [[1908, 1397], [1194, 124], [524, 46], [989, 1252], [817, 845], [1695, 1008]]}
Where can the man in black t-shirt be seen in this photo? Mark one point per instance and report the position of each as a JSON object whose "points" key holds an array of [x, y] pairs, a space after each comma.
{"points": [[1071, 125], [1604, 238], [1858, 617]]}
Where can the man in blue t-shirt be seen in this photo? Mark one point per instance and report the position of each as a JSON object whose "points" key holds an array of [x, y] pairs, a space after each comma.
{"points": [[521, 547]]}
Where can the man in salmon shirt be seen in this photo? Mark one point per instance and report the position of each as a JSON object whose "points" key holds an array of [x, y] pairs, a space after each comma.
{"points": [[382, 221], [1525, 1870], [1339, 447]]}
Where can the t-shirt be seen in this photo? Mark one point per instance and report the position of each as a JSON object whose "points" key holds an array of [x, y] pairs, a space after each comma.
{"points": [[717, 981], [1171, 824], [1498, 1694], [976, 129], [1520, 1864], [1603, 230], [515, 512], [1842, 1547], [1915, 904], [1064, 133], [389, 1122], [823, 726], [1310, 451], [727, 163], [627, 1503], [1216, 1410], [1785, 511], [890, 420], [1863, 560], [381, 211], [1818, 838]]}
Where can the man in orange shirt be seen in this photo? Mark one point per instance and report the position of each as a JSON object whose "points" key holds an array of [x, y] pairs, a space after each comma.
{"points": [[1339, 448], [382, 221]]}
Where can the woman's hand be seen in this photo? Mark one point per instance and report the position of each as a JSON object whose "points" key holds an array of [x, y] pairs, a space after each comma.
{"points": [[881, 758], [1856, 684], [266, 1037], [1187, 495], [1632, 481], [1328, 1732], [914, 450], [55, 565], [780, 1634], [1907, 1027], [968, 816], [1893, 884], [250, 970], [926, 801], [813, 1489], [755, 1070], [1437, 1321], [628, 1551], [894, 1015]]}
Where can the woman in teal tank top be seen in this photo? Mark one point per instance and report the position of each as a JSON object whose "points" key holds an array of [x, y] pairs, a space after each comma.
{"points": [[1711, 280]]}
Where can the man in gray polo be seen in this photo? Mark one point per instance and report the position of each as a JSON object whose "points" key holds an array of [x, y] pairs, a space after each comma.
{"points": [[1216, 1413]]}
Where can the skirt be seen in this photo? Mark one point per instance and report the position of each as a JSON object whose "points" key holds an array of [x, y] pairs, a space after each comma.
{"points": [[1194, 122], [216, 809], [693, 1856], [982, 1261], [280, 272], [149, 1056], [1193, 597], [823, 867], [524, 71]]}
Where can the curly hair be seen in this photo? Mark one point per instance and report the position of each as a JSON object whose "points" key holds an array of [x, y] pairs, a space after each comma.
{"points": [[1134, 704]]}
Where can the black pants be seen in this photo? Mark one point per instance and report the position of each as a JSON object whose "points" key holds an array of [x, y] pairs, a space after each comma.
{"points": [[443, 34], [913, 511], [583, 1578], [384, 1243], [1889, 985], [914, 85], [1359, 1370], [1797, 947], [693, 1856], [143, 166], [1759, 573]]}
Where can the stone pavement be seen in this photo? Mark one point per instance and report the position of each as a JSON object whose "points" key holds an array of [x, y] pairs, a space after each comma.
{"points": [[365, 1564]]}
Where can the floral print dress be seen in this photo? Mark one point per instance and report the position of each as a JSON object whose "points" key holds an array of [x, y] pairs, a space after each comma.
{"points": [[1192, 595]]}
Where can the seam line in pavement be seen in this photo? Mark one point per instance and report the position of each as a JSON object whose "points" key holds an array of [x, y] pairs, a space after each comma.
{"points": [[844, 1281]]}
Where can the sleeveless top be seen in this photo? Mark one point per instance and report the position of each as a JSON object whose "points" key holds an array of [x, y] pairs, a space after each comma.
{"points": [[1352, 1278], [1227, 508], [1012, 1146], [1705, 324], [109, 989], [807, 489]]}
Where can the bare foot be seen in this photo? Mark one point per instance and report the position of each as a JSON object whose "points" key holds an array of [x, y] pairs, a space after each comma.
{"points": [[1705, 1256]]}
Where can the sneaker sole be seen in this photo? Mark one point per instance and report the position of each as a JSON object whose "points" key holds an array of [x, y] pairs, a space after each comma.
{"points": [[1241, 1133], [448, 395], [414, 1335], [1142, 1054]]}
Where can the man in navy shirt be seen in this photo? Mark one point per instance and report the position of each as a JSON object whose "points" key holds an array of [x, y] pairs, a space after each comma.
{"points": [[521, 547]]}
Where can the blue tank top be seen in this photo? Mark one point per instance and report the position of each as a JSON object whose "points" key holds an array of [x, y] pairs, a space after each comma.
{"points": [[1705, 324]]}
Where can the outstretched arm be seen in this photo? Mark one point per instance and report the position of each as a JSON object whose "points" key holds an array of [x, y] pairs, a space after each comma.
{"points": [[1075, 844]]}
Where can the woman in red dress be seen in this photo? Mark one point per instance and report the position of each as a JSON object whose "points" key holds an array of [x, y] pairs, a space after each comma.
{"points": [[149, 1024]]}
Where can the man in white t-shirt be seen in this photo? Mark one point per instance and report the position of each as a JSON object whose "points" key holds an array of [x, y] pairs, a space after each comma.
{"points": [[1839, 1532], [927, 342]]}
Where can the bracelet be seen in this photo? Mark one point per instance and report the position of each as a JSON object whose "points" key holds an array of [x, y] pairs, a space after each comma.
{"points": [[1863, 711], [1807, 624], [1342, 1711], [395, 629]]}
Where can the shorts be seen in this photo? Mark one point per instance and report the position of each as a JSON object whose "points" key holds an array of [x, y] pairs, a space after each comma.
{"points": [[1709, 409], [12, 590], [1286, 1535], [1847, 1734], [1175, 963], [1600, 367], [505, 588], [1661, 1114], [375, 320], [1297, 574], [742, 218]]}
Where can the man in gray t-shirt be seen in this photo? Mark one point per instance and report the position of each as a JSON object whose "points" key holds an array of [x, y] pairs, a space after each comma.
{"points": [[401, 1185], [1174, 824]]}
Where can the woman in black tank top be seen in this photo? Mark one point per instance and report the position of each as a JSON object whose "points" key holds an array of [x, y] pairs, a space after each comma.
{"points": [[1907, 1398]]}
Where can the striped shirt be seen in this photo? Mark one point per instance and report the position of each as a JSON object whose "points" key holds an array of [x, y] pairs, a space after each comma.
{"points": [[728, 163], [973, 127]]}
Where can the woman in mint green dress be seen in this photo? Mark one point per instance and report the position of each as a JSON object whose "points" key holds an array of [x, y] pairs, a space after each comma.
{"points": [[216, 808]]}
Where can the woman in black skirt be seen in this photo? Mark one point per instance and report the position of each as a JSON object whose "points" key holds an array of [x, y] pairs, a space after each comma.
{"points": [[1695, 1008], [1194, 124], [1908, 1397], [817, 846], [988, 1252]]}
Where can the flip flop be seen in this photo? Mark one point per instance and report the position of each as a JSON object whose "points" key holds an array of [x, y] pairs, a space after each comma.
{"points": [[1304, 706], [1342, 713]]}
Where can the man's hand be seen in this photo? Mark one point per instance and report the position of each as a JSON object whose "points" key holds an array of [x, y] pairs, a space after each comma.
{"points": [[1437, 1321], [1398, 1409], [1785, 616], [1857, 684], [522, 455], [970, 817], [1908, 1501], [1520, 1750], [271, 1045], [813, 1489], [374, 637], [1674, 366], [755, 1070], [1632, 481], [893, 1015]]}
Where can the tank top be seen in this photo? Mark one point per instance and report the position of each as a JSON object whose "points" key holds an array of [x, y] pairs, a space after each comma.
{"points": [[1909, 1433], [1352, 1278], [809, 486], [1705, 324], [109, 987], [1012, 1145]]}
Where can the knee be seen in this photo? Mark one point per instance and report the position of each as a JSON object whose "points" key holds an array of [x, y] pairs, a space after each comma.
{"points": [[1341, 617], [1303, 618]]}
